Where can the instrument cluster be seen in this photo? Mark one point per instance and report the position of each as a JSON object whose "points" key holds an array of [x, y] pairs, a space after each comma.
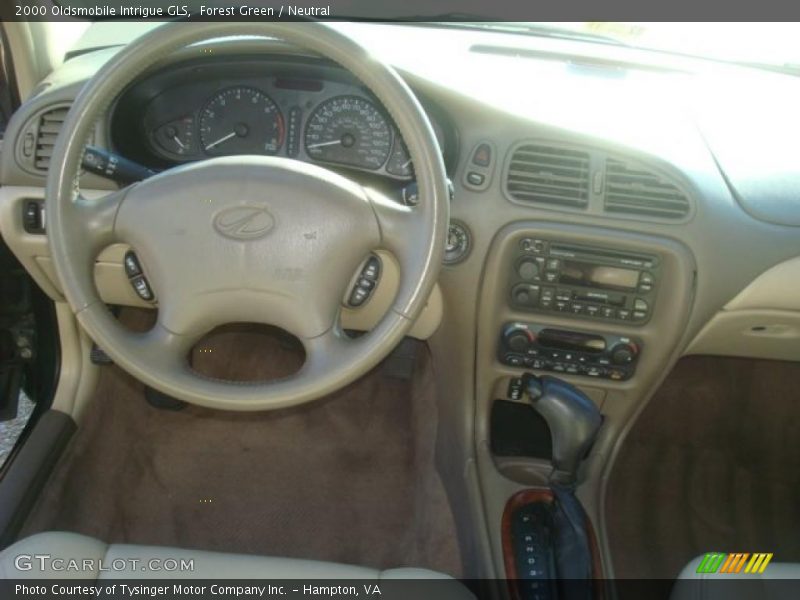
{"points": [[294, 109]]}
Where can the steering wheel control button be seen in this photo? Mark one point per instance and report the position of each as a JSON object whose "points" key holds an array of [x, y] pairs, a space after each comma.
{"points": [[479, 174], [358, 297], [132, 268], [142, 288], [372, 269], [366, 282]]}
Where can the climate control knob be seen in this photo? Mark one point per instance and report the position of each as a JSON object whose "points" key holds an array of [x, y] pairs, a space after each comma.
{"points": [[624, 354], [517, 339]]}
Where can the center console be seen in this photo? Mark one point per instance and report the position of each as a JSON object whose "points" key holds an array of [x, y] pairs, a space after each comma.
{"points": [[600, 309]]}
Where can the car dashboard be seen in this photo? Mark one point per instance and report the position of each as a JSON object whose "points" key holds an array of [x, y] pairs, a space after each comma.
{"points": [[608, 214]]}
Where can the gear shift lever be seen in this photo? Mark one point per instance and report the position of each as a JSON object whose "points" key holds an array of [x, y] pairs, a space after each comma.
{"points": [[573, 419]]}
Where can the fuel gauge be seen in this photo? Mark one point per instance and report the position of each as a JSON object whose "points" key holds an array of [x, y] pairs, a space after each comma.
{"points": [[176, 137], [399, 163]]}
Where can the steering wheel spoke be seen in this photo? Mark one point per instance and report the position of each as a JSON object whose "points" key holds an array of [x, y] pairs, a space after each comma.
{"points": [[96, 217], [324, 352]]}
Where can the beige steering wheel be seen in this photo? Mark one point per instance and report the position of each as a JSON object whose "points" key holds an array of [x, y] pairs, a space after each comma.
{"points": [[314, 228]]}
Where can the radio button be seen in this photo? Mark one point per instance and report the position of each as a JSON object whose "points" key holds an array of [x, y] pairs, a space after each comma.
{"points": [[553, 264], [639, 315], [551, 276], [525, 294], [623, 314], [561, 305], [646, 279], [577, 308], [592, 310], [640, 305], [564, 295], [607, 312], [528, 269], [535, 246]]}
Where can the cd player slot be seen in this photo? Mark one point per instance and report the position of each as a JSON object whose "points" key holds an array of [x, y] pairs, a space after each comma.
{"points": [[633, 260]]}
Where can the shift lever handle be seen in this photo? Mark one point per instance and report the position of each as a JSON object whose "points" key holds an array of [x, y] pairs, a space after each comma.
{"points": [[573, 418]]}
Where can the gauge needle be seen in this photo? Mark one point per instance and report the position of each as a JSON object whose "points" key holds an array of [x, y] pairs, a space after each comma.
{"points": [[405, 164], [321, 144], [220, 140], [179, 142]]}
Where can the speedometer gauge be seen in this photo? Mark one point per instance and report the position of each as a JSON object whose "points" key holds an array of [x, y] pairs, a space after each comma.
{"points": [[349, 130], [241, 120]]}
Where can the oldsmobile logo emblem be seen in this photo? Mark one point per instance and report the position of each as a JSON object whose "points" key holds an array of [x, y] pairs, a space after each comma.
{"points": [[244, 222]]}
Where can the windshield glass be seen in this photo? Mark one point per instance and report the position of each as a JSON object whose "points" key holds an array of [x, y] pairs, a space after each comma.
{"points": [[770, 45], [766, 44]]}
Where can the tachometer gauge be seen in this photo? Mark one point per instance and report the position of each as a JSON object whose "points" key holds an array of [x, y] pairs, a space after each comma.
{"points": [[349, 130], [241, 120]]}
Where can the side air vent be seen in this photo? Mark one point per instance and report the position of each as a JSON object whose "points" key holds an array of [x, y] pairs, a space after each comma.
{"points": [[50, 123], [35, 142], [633, 189], [549, 174]]}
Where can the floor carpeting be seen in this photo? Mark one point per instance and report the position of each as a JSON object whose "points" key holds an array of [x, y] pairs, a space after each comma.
{"points": [[713, 464], [349, 478]]}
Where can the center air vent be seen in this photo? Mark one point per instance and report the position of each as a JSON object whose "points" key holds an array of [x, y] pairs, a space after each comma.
{"points": [[549, 174], [633, 189]]}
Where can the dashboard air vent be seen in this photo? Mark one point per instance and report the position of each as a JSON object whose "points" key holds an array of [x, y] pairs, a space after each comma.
{"points": [[633, 189], [50, 123], [549, 175]]}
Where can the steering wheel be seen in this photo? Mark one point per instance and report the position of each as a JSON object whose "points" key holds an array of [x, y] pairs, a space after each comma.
{"points": [[247, 238]]}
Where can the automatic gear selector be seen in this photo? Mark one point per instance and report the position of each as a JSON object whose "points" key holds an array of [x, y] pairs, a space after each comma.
{"points": [[572, 417]]}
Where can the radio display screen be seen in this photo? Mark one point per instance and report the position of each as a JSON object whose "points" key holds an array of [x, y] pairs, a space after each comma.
{"points": [[599, 276]]}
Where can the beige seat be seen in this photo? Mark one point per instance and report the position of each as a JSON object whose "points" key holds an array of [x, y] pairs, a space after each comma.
{"points": [[778, 582], [93, 559]]}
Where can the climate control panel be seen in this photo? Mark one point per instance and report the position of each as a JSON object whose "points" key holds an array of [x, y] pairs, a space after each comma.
{"points": [[606, 356]]}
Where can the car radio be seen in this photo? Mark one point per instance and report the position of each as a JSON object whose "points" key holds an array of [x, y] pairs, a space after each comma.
{"points": [[605, 356], [583, 281]]}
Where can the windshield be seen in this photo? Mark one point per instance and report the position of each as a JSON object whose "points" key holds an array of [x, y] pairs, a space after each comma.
{"points": [[758, 44], [769, 45]]}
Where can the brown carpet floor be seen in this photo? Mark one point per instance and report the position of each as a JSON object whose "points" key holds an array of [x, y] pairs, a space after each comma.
{"points": [[349, 478], [713, 464]]}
